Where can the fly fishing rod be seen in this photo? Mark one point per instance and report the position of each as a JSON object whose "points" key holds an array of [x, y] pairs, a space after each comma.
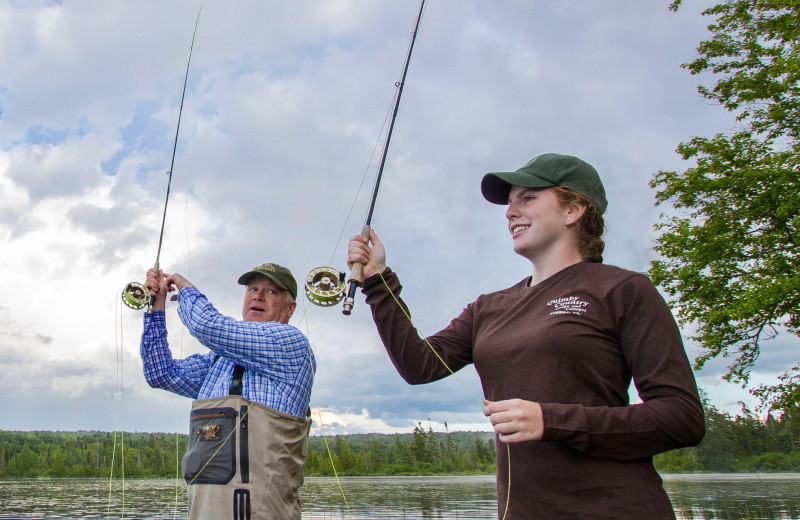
{"points": [[135, 295], [325, 286], [354, 282]]}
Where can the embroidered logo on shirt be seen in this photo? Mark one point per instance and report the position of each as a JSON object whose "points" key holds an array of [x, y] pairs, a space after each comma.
{"points": [[568, 305]]}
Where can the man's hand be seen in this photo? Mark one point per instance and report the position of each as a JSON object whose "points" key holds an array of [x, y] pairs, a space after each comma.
{"points": [[515, 420], [155, 283], [175, 282], [160, 283], [373, 259]]}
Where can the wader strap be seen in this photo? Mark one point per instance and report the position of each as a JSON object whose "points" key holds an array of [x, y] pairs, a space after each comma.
{"points": [[244, 445], [236, 382]]}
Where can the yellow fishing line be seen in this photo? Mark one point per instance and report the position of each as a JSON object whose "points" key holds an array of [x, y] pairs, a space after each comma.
{"points": [[177, 477], [333, 465], [119, 405], [508, 487], [319, 412], [118, 332], [424, 337], [120, 348]]}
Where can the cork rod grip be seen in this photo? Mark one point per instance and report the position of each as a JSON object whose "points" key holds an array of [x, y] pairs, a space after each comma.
{"points": [[356, 277], [356, 271]]}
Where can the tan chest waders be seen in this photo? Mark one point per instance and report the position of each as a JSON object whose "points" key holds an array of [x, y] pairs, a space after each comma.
{"points": [[244, 460]]}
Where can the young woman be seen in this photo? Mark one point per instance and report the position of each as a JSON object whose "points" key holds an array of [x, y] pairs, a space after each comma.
{"points": [[556, 353]]}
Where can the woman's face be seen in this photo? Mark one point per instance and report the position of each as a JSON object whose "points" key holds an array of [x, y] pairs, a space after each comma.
{"points": [[538, 222]]}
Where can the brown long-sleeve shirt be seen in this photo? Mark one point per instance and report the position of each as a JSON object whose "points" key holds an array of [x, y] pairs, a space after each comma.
{"points": [[572, 343]]}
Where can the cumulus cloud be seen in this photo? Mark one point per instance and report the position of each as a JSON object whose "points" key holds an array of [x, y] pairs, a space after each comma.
{"points": [[284, 110]]}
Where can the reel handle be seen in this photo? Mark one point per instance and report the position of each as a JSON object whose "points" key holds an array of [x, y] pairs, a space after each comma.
{"points": [[356, 277]]}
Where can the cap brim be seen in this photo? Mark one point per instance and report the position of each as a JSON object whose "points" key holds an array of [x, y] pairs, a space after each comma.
{"points": [[247, 276], [495, 186]]}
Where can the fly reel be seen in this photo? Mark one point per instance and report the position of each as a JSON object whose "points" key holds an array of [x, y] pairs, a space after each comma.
{"points": [[135, 296], [325, 286]]}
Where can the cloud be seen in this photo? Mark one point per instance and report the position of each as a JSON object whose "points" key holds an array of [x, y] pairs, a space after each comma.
{"points": [[281, 125]]}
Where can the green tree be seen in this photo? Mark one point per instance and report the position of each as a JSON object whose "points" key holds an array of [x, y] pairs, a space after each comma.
{"points": [[434, 447], [59, 468], [402, 455], [345, 454], [23, 464], [419, 444], [730, 258]]}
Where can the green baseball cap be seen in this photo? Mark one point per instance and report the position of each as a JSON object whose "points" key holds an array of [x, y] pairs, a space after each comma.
{"points": [[282, 277], [544, 171]]}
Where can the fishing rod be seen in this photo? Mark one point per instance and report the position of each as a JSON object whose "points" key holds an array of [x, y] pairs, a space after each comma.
{"points": [[135, 295], [325, 285], [355, 273]]}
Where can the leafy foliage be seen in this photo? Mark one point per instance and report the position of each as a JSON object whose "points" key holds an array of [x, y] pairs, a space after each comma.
{"points": [[730, 260]]}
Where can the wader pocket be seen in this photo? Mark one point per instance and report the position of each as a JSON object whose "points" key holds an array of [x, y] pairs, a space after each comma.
{"points": [[211, 455]]}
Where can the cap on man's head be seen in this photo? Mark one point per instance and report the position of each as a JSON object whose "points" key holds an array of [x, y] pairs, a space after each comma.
{"points": [[282, 277], [545, 171]]}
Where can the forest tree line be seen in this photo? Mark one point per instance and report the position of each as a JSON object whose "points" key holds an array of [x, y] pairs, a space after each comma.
{"points": [[744, 443], [741, 443], [92, 454]]}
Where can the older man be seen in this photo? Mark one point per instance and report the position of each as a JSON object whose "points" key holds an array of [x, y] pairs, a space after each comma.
{"points": [[249, 422]]}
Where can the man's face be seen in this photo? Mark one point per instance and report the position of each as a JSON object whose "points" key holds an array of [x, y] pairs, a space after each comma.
{"points": [[265, 301]]}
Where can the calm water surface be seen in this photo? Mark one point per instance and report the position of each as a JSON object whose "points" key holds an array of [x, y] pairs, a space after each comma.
{"points": [[695, 497]]}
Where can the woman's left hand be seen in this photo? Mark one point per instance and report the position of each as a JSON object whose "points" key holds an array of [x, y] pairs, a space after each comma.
{"points": [[515, 420]]}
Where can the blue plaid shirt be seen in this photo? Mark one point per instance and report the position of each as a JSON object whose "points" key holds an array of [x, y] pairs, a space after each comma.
{"points": [[277, 358]]}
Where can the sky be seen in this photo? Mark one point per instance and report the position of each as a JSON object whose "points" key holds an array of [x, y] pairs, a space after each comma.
{"points": [[281, 132]]}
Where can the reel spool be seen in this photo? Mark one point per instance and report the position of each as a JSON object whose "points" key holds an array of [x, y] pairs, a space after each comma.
{"points": [[135, 296], [325, 286]]}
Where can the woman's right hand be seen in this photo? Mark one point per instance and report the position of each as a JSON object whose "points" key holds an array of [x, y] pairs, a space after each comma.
{"points": [[515, 420], [373, 257]]}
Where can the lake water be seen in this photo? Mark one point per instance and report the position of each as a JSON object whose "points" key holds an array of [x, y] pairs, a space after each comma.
{"points": [[695, 497]]}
